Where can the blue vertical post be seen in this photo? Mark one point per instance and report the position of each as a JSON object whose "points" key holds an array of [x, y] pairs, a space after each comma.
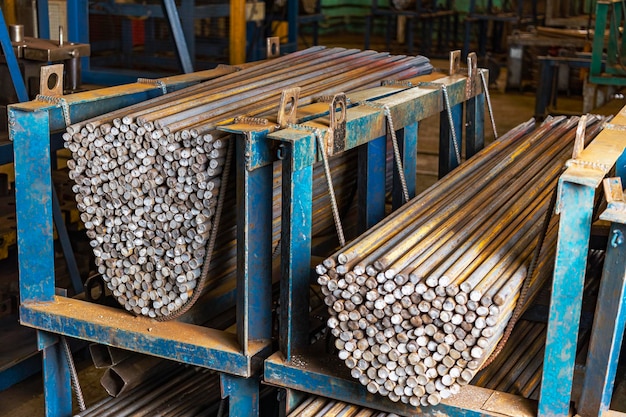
{"points": [[292, 23], [33, 195], [474, 125], [447, 156], [56, 376], [407, 142], [78, 22], [242, 393], [371, 182], [254, 251], [576, 207], [296, 224], [43, 21], [608, 329]]}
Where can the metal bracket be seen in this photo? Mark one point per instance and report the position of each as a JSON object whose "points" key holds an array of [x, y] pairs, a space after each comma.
{"points": [[273, 47], [579, 146], [455, 62], [471, 85], [616, 206], [337, 138], [287, 110], [579, 143], [51, 80]]}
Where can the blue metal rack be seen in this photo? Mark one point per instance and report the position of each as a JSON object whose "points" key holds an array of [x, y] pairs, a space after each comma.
{"points": [[301, 367], [238, 356], [575, 204]]}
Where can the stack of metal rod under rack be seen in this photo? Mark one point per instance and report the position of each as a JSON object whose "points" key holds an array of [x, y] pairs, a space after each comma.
{"points": [[420, 302], [325, 407], [150, 178], [179, 390]]}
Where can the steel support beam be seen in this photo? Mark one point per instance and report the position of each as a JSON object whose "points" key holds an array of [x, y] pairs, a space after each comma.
{"points": [[242, 393], [296, 224], [575, 201], [407, 144], [371, 182], [254, 253]]}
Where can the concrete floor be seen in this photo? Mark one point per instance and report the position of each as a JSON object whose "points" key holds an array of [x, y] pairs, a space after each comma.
{"points": [[510, 109]]}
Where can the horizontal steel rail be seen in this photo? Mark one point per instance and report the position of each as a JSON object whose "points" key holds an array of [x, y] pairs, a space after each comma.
{"points": [[313, 375]]}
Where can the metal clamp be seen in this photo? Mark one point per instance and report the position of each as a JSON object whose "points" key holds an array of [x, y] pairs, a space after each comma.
{"points": [[273, 47], [616, 206], [471, 85], [455, 62], [51, 80], [337, 137], [287, 109]]}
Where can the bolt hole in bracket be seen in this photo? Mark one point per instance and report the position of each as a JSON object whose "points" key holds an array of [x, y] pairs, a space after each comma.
{"points": [[51, 80], [273, 47], [337, 113]]}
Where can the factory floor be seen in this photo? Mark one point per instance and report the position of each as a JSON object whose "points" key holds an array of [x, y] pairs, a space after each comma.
{"points": [[511, 108]]}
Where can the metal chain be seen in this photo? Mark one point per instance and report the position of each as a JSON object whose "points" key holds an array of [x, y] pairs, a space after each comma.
{"points": [[394, 142], [65, 108], [488, 97], [73, 374], [329, 181], [446, 97], [210, 245], [158, 83]]}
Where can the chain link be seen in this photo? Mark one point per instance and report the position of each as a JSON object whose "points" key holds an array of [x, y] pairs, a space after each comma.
{"points": [[457, 151], [158, 83], [488, 97], [394, 142]]}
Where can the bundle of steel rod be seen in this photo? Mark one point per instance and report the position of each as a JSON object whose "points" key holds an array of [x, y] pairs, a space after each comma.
{"points": [[420, 301], [149, 177], [325, 407], [518, 368]]}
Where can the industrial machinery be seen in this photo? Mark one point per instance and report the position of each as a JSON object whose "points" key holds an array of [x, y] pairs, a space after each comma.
{"points": [[291, 127], [32, 55]]}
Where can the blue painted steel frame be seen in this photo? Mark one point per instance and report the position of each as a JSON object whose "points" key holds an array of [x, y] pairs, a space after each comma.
{"points": [[610, 317], [365, 129], [30, 127], [575, 204], [608, 329], [365, 125], [315, 378]]}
